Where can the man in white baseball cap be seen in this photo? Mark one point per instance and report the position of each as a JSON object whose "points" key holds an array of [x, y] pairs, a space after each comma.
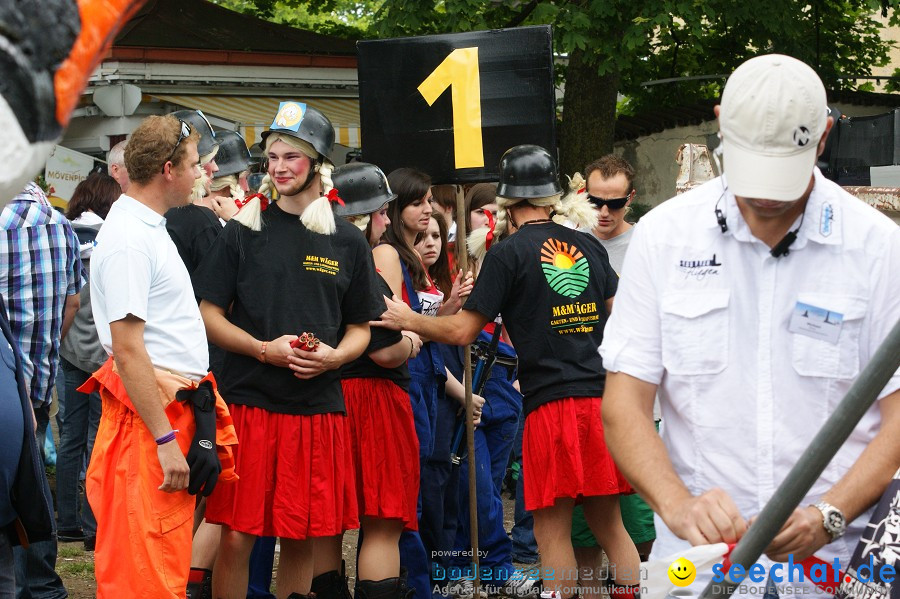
{"points": [[751, 304]]}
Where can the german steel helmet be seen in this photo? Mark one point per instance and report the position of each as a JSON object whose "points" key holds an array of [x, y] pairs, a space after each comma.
{"points": [[303, 122], [233, 156], [528, 171], [362, 186], [197, 121]]}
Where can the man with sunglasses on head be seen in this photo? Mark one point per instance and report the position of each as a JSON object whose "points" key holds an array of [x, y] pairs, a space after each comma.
{"points": [[610, 188], [157, 443]]}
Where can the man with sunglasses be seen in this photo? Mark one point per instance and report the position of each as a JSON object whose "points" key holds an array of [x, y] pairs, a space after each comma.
{"points": [[610, 188], [157, 442]]}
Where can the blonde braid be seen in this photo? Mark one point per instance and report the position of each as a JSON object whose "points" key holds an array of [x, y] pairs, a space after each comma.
{"points": [[198, 191], [318, 216], [251, 214], [576, 208], [477, 239], [231, 182], [360, 221]]}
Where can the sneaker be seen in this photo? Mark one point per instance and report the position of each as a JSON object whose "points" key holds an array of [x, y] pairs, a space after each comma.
{"points": [[551, 595], [465, 589], [522, 583], [90, 543]]}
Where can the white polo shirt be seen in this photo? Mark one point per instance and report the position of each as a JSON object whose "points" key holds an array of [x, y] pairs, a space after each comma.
{"points": [[136, 269], [706, 316]]}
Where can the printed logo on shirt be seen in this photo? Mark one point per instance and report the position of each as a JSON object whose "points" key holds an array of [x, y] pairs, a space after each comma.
{"points": [[825, 226], [578, 317], [320, 264], [701, 268], [565, 268]]}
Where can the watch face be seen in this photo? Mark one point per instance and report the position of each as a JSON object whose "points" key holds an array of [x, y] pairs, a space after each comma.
{"points": [[835, 521]]}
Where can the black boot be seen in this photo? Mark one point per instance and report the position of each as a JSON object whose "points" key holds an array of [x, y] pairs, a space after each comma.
{"points": [[403, 589], [389, 588], [199, 584], [331, 585]]}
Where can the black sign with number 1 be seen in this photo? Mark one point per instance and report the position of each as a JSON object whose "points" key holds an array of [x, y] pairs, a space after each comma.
{"points": [[451, 105]]}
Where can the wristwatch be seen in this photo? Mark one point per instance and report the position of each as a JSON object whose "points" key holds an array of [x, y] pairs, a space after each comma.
{"points": [[832, 520]]}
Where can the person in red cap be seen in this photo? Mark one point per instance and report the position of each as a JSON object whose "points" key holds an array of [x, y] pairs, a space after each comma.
{"points": [[280, 275]]}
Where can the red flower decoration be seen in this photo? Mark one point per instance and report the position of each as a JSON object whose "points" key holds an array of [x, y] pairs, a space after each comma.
{"points": [[334, 197], [263, 201], [490, 235]]}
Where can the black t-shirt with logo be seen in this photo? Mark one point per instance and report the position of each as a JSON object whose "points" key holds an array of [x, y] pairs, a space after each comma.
{"points": [[550, 282], [365, 368], [285, 280]]}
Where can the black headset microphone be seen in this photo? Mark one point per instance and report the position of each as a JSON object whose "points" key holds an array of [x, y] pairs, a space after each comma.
{"points": [[782, 248]]}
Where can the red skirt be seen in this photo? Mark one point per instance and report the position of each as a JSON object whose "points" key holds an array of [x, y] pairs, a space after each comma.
{"points": [[298, 480], [564, 454], [385, 449]]}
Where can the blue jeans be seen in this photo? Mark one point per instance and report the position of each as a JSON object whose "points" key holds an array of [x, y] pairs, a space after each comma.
{"points": [[524, 545], [36, 576], [78, 419], [7, 568]]}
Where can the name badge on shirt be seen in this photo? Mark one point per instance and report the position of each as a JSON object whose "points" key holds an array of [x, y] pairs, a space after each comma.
{"points": [[815, 322]]}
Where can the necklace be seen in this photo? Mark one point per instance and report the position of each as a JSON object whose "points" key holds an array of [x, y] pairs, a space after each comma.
{"points": [[537, 221]]}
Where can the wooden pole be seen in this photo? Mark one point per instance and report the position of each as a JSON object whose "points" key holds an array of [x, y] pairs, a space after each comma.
{"points": [[467, 384]]}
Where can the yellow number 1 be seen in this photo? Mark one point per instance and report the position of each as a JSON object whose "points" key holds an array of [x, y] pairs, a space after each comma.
{"points": [[459, 71]]}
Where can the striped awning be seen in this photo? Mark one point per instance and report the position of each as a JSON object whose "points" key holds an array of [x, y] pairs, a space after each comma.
{"points": [[254, 114]]}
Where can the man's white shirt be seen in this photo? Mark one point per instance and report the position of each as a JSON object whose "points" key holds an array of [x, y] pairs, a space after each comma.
{"points": [[707, 317], [136, 269]]}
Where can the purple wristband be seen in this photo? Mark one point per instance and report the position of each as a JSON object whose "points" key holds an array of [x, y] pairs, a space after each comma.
{"points": [[169, 436]]}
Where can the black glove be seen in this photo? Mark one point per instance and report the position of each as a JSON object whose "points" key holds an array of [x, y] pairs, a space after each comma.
{"points": [[202, 457]]}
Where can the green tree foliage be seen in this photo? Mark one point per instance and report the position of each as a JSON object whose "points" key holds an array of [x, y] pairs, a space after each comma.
{"points": [[609, 49]]}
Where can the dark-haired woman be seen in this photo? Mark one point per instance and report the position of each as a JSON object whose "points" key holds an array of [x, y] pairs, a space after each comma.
{"points": [[402, 269], [80, 355]]}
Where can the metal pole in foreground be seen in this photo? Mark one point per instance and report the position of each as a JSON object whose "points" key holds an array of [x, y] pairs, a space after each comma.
{"points": [[823, 447], [467, 384]]}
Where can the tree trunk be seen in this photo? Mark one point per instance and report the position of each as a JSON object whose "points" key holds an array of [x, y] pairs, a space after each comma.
{"points": [[589, 114]]}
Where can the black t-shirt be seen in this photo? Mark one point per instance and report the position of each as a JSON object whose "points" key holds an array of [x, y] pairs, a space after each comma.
{"points": [[285, 280], [550, 283], [365, 368], [193, 230]]}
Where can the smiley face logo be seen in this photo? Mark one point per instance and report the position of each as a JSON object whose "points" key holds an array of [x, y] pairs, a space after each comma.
{"points": [[682, 572]]}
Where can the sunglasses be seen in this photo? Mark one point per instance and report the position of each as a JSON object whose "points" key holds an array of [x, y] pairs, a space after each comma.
{"points": [[185, 133], [611, 203]]}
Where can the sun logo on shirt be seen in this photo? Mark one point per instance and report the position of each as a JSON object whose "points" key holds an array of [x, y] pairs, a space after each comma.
{"points": [[565, 267]]}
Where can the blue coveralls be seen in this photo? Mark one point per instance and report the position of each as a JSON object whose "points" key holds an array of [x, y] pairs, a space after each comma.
{"points": [[427, 377], [493, 443]]}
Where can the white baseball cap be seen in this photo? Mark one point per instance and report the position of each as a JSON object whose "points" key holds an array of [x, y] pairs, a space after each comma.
{"points": [[772, 116]]}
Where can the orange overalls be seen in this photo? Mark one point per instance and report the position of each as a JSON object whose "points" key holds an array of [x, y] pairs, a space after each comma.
{"points": [[144, 534]]}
